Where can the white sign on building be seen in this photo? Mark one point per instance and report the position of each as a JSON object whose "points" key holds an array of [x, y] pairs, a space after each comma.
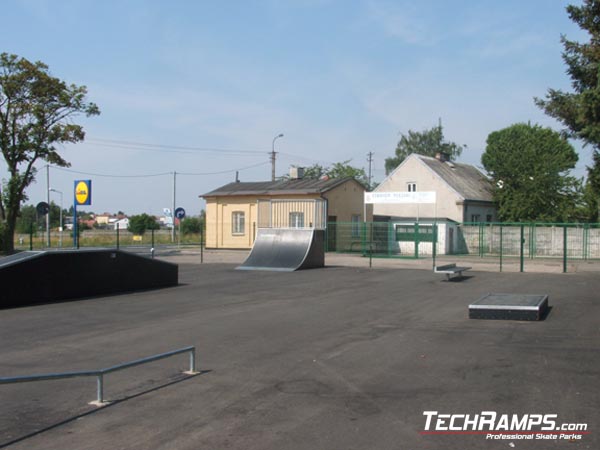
{"points": [[399, 197]]}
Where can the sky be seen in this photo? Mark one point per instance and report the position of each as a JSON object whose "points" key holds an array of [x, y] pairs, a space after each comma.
{"points": [[201, 88]]}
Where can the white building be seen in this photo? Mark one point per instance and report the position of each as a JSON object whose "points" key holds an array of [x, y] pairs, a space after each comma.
{"points": [[463, 194]]}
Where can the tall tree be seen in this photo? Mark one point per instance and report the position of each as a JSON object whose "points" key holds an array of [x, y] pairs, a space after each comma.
{"points": [[529, 166], [426, 142], [579, 110], [36, 115]]}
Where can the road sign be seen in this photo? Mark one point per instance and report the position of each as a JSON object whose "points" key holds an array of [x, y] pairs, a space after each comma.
{"points": [[180, 213], [83, 192], [42, 208]]}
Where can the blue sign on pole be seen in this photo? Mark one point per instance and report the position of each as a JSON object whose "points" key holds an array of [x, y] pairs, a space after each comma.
{"points": [[180, 213]]}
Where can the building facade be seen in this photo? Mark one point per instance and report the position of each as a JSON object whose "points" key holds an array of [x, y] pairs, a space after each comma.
{"points": [[232, 210]]}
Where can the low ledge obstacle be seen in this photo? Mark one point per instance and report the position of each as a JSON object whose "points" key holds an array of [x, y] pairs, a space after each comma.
{"points": [[509, 307], [40, 277]]}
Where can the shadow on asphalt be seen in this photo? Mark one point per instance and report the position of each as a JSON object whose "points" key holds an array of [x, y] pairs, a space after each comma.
{"points": [[100, 408]]}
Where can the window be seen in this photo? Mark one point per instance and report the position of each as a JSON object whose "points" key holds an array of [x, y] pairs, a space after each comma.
{"points": [[355, 225], [488, 218], [407, 233], [475, 218], [238, 221], [412, 187], [296, 220]]}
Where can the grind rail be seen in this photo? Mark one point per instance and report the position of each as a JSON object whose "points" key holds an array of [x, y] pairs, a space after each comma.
{"points": [[99, 374]]}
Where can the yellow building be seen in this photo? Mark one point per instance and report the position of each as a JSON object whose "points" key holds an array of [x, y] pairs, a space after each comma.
{"points": [[232, 211]]}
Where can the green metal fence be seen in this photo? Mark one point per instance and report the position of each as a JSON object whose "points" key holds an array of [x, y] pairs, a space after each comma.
{"points": [[37, 240], [382, 239], [506, 242]]}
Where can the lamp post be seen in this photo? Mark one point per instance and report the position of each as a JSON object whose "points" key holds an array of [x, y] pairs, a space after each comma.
{"points": [[273, 156], [60, 221]]}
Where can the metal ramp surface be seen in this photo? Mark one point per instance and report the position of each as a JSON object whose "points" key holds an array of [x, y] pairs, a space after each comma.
{"points": [[286, 250]]}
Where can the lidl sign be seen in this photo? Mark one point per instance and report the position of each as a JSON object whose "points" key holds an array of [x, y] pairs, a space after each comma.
{"points": [[83, 192]]}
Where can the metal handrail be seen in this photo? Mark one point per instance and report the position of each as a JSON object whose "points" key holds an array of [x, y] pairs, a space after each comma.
{"points": [[99, 374]]}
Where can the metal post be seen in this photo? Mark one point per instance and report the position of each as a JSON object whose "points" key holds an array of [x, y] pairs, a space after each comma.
{"points": [[31, 237], [48, 200], [202, 241], [173, 210], [100, 388], [371, 247], [193, 360], [75, 227], [117, 229], [434, 243], [522, 245], [564, 249], [152, 238], [416, 238], [501, 248]]}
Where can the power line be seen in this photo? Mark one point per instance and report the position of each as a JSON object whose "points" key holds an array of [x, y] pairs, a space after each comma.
{"points": [[157, 174], [169, 147], [225, 171], [110, 175]]}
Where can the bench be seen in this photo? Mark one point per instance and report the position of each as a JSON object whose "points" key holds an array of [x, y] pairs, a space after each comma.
{"points": [[450, 269]]}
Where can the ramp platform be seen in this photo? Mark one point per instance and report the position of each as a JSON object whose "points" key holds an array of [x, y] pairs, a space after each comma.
{"points": [[286, 250], [509, 307], [45, 276]]}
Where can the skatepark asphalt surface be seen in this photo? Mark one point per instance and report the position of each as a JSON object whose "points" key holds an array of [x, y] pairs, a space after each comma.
{"points": [[334, 358]]}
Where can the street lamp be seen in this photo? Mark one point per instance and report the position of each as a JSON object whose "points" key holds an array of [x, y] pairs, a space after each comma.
{"points": [[60, 221], [273, 156]]}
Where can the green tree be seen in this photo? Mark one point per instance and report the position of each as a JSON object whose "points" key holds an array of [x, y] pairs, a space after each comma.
{"points": [[426, 142], [529, 166], [142, 222], [36, 116], [191, 225], [579, 110]]}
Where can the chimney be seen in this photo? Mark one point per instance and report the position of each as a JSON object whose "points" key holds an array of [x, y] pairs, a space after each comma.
{"points": [[442, 156], [296, 173]]}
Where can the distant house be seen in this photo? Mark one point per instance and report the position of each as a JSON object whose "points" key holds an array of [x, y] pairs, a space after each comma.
{"points": [[232, 209], [463, 194], [121, 224]]}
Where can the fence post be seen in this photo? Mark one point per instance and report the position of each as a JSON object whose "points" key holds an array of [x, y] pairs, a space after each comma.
{"points": [[586, 236], [202, 241], [31, 237], [564, 249], [371, 247], [522, 245], [501, 248], [434, 243], [152, 231], [481, 241], [117, 228]]}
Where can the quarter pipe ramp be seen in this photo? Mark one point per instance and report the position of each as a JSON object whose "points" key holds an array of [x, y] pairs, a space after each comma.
{"points": [[284, 249]]}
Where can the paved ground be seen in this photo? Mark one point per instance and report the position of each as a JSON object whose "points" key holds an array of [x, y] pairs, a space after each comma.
{"points": [[335, 358]]}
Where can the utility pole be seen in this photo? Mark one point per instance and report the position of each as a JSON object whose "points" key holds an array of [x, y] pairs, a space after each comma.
{"points": [[370, 160], [273, 156], [48, 200], [174, 206]]}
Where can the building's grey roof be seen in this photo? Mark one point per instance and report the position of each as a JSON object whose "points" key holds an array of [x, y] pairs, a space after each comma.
{"points": [[465, 179], [281, 187]]}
